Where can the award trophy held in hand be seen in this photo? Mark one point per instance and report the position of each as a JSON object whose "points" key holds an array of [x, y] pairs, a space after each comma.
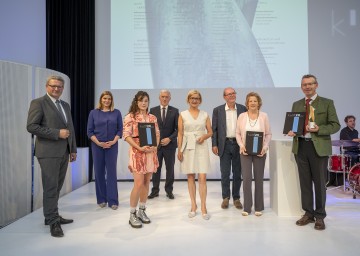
{"points": [[312, 118]]}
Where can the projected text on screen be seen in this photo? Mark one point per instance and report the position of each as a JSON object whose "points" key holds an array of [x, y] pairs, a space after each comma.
{"points": [[208, 43]]}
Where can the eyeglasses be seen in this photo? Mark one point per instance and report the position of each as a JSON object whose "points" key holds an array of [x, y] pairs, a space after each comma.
{"points": [[308, 84], [230, 94], [192, 98], [59, 87]]}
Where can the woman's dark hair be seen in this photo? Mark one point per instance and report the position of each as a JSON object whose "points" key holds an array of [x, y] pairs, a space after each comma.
{"points": [[139, 96]]}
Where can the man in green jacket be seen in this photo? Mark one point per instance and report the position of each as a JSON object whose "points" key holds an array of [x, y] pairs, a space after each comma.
{"points": [[312, 149]]}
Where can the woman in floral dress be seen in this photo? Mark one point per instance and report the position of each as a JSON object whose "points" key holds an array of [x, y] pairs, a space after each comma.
{"points": [[143, 161]]}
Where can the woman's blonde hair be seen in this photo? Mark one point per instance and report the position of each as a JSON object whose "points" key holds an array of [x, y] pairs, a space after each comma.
{"points": [[191, 93], [253, 94]]}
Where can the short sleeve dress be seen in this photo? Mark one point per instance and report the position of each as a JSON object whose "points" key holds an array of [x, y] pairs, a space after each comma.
{"points": [[196, 156], [139, 161]]}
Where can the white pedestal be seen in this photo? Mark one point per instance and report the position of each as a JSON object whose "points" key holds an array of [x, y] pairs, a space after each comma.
{"points": [[284, 180]]}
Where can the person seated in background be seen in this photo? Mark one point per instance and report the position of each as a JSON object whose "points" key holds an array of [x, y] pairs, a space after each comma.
{"points": [[348, 133]]}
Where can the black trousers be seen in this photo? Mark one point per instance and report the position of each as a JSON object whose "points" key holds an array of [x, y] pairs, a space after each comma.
{"points": [[169, 156], [230, 161], [53, 172], [312, 174]]}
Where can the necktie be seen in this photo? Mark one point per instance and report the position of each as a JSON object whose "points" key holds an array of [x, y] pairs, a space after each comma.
{"points": [[163, 115], [307, 106], [60, 110]]}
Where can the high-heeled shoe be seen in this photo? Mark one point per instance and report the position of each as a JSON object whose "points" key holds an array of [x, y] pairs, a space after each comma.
{"points": [[191, 214], [205, 216]]}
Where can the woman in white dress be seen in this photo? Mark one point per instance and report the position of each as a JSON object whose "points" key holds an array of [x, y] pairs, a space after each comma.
{"points": [[194, 128]]}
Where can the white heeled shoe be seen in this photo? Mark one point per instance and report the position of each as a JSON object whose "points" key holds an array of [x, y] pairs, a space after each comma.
{"points": [[205, 216], [191, 214]]}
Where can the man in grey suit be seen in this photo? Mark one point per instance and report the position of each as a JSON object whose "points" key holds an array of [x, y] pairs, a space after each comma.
{"points": [[49, 118], [225, 146], [167, 118]]}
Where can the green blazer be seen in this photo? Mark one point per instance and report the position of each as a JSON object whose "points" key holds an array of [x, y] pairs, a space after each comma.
{"points": [[327, 120]]}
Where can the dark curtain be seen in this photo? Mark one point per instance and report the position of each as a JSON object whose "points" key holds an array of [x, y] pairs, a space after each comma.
{"points": [[70, 49]]}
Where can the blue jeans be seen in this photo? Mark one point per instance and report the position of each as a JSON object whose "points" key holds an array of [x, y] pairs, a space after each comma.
{"points": [[230, 160]]}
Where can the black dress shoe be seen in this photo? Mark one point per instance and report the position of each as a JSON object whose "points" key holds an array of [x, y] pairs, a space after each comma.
{"points": [[319, 224], [305, 220], [62, 221], [55, 230], [170, 195], [153, 195]]}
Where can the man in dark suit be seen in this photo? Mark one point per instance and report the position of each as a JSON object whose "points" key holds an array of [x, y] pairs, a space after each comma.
{"points": [[49, 118], [312, 149], [167, 118], [225, 146]]}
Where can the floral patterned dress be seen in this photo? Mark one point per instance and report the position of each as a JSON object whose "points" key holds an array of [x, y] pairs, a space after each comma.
{"points": [[139, 161]]}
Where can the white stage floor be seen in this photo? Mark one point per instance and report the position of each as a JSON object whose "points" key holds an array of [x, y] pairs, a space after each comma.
{"points": [[97, 231]]}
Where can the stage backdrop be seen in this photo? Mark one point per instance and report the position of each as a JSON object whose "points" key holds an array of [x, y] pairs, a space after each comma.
{"points": [[328, 48]]}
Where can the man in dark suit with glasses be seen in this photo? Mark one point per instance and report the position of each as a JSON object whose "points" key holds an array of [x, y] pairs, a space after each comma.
{"points": [[49, 118]]}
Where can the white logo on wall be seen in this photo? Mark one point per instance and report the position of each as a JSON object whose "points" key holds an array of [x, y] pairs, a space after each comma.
{"points": [[336, 24]]}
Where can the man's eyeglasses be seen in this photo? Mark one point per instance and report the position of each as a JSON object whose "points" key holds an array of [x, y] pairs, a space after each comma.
{"points": [[230, 94], [308, 84], [59, 87]]}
